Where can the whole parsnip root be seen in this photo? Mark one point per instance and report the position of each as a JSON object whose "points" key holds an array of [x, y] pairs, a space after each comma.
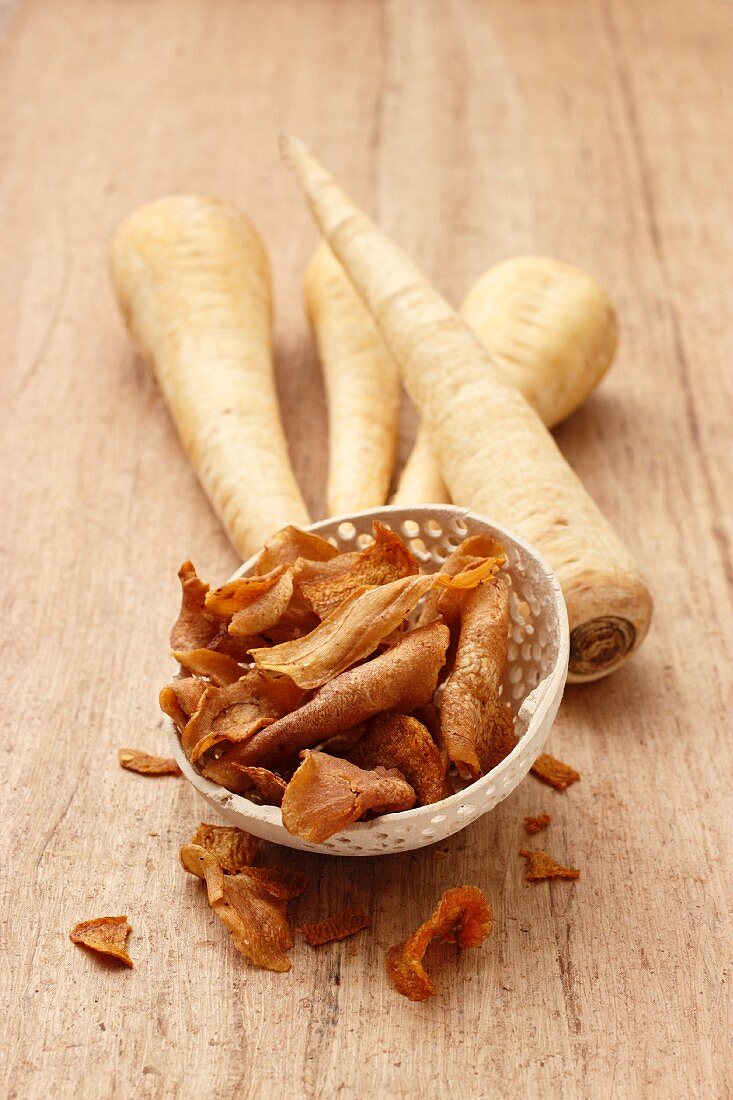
{"points": [[421, 481], [362, 388], [494, 451], [193, 282]]}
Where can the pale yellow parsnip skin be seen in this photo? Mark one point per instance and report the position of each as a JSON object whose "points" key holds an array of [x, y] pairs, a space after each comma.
{"points": [[193, 282], [362, 388], [421, 481], [494, 451]]}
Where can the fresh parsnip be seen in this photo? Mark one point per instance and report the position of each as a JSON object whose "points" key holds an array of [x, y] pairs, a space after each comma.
{"points": [[193, 282], [421, 481], [493, 449], [362, 389]]}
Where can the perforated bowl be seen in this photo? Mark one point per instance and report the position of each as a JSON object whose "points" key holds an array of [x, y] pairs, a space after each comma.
{"points": [[534, 681]]}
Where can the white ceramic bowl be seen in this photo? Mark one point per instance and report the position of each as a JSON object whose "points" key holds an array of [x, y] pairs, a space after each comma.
{"points": [[535, 677]]}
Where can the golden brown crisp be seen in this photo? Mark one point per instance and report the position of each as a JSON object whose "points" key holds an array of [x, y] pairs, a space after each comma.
{"points": [[346, 923], [196, 625], [252, 905], [463, 916], [554, 772], [141, 762], [537, 824], [541, 866], [402, 678], [291, 543], [327, 584], [356, 627], [477, 727], [220, 668], [269, 785], [233, 848], [398, 741], [254, 604], [328, 794], [105, 936], [180, 699], [234, 713], [474, 549]]}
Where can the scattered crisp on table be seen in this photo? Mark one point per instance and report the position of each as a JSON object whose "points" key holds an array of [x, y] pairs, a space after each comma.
{"points": [[104, 935], [537, 824], [133, 760], [540, 866], [554, 772], [338, 927]]}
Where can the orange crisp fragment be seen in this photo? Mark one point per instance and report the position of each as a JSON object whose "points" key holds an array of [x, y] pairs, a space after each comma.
{"points": [[327, 584], [537, 824], [398, 741], [105, 935], [195, 626], [141, 762], [180, 700], [328, 794], [269, 785], [253, 603], [346, 923], [554, 772], [477, 727], [471, 551], [289, 544], [252, 905], [232, 848], [220, 668], [463, 916], [355, 629], [403, 678], [541, 866]]}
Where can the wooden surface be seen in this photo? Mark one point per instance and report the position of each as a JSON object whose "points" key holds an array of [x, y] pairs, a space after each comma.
{"points": [[595, 130]]}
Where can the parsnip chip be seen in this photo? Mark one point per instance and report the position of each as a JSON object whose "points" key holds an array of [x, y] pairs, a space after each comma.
{"points": [[327, 584], [234, 713], [476, 726], [289, 544], [180, 699], [345, 923], [196, 625], [463, 916], [220, 668], [471, 551], [356, 627], [133, 760], [252, 905], [328, 794], [266, 611], [397, 741], [536, 824], [541, 866], [269, 785], [233, 848], [402, 678], [105, 936], [554, 772]]}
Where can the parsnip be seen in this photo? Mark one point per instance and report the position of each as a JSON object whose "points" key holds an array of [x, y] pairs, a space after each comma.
{"points": [[421, 481], [362, 389], [193, 282], [494, 451]]}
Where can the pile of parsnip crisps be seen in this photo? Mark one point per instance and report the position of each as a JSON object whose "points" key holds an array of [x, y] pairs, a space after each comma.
{"points": [[344, 685]]}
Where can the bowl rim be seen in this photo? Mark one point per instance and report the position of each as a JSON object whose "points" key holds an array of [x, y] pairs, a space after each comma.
{"points": [[271, 816]]}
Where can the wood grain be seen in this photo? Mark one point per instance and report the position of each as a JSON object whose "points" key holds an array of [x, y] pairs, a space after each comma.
{"points": [[595, 130]]}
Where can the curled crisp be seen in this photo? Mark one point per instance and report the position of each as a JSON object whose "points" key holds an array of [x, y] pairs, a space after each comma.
{"points": [[357, 626], [327, 584], [554, 772], [269, 785], [398, 741], [327, 794], [235, 713], [403, 678], [477, 728], [134, 760], [220, 668], [463, 916], [291, 543], [471, 552], [540, 866], [105, 936], [181, 699], [196, 625], [252, 905], [233, 848], [253, 604], [345, 923]]}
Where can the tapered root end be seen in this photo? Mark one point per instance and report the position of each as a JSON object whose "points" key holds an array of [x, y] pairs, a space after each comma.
{"points": [[598, 646], [292, 150]]}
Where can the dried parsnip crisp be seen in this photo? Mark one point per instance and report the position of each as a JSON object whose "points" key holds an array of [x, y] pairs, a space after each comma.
{"points": [[337, 927], [554, 772], [104, 935], [398, 741], [134, 760], [463, 916], [540, 866]]}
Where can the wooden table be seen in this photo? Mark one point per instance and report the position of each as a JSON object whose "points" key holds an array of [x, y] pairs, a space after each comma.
{"points": [[595, 130]]}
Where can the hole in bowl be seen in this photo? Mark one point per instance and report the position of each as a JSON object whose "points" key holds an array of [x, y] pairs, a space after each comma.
{"points": [[410, 529], [433, 528], [346, 530], [364, 540], [437, 819]]}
